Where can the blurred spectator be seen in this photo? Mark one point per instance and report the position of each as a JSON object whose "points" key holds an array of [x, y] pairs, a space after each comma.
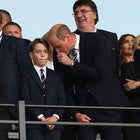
{"points": [[6, 17], [49, 63], [14, 61], [130, 81], [137, 53], [12, 29]]}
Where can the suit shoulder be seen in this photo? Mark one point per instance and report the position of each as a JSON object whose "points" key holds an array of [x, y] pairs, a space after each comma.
{"points": [[14, 41], [107, 32], [53, 72], [27, 41]]}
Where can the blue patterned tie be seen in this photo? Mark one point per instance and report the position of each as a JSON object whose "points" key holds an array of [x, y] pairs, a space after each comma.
{"points": [[73, 54], [43, 80]]}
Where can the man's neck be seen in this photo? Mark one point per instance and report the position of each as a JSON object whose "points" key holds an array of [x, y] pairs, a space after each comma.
{"points": [[88, 29]]}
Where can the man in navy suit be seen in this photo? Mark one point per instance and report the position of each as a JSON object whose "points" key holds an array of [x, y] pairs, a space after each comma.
{"points": [[93, 79], [14, 59], [86, 17], [48, 92]]}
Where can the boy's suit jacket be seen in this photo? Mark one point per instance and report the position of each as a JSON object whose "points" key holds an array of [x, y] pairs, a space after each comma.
{"points": [[32, 93]]}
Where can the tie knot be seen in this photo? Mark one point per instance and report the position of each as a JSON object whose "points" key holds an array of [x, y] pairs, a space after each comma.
{"points": [[41, 70]]}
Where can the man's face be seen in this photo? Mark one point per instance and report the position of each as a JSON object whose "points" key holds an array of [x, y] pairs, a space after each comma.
{"points": [[39, 55], [60, 45], [84, 17], [12, 30]]}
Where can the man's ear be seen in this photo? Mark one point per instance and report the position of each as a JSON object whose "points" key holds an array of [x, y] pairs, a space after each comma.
{"points": [[67, 37], [94, 15], [31, 55]]}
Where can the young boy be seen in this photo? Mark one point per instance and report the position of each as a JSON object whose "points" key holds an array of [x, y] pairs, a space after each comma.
{"points": [[42, 86]]}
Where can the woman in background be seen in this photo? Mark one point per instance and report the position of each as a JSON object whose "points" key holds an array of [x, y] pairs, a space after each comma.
{"points": [[130, 81]]}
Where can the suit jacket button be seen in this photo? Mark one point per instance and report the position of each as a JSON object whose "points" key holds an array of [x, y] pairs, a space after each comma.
{"points": [[88, 91]]}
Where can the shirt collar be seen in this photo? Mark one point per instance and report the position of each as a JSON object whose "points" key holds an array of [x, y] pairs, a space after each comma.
{"points": [[77, 42], [0, 33], [0, 36], [95, 30], [38, 68], [78, 39]]}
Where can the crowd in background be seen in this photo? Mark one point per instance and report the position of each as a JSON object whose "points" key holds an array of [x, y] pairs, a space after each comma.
{"points": [[85, 67]]}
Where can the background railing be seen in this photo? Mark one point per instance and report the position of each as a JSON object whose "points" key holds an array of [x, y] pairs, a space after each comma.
{"points": [[22, 122]]}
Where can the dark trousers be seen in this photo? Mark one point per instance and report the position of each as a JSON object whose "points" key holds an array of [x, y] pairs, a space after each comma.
{"points": [[105, 116], [131, 133], [106, 133], [43, 134], [4, 134], [69, 133]]}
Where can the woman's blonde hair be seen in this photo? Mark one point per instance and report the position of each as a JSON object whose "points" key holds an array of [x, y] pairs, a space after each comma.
{"points": [[136, 42]]}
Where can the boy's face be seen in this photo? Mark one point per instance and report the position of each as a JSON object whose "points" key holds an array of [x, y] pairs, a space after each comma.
{"points": [[39, 55]]}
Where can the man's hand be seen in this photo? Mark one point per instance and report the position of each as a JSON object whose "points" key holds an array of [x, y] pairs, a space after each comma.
{"points": [[82, 117], [43, 118], [51, 119], [64, 59]]}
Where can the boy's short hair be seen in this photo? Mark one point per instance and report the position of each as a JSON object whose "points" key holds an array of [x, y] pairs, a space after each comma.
{"points": [[36, 41]]}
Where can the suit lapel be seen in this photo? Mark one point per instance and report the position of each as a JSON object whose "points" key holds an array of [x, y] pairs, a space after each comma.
{"points": [[36, 77], [48, 80], [4, 43], [86, 49], [81, 48]]}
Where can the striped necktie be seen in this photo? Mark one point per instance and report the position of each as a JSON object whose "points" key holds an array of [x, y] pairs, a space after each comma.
{"points": [[0, 38], [43, 80], [73, 54]]}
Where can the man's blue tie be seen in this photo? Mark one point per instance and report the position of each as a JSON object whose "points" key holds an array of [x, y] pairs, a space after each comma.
{"points": [[73, 54]]}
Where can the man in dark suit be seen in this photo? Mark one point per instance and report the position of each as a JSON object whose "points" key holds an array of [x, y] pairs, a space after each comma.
{"points": [[93, 79], [3, 110], [14, 60], [48, 92], [86, 17]]}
